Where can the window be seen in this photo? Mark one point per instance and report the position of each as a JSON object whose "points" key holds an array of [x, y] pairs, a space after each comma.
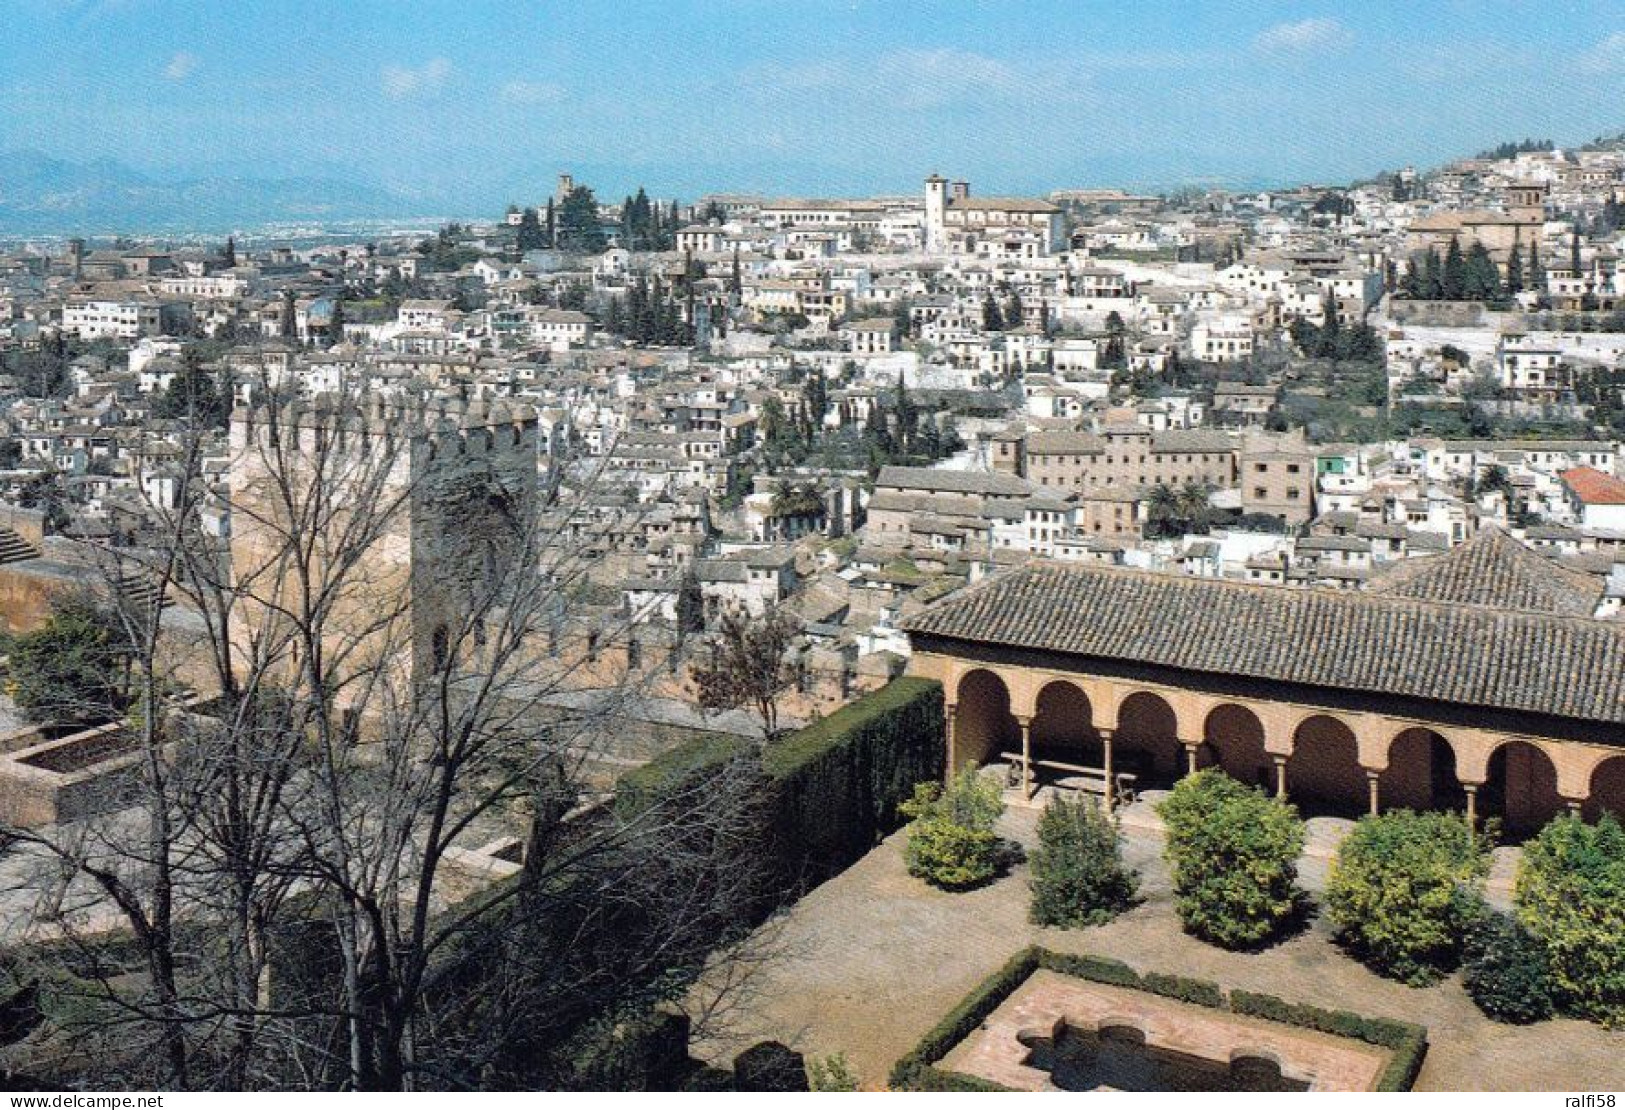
{"points": [[1260, 492]]}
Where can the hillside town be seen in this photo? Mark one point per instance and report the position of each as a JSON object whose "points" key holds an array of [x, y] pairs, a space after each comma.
{"points": [[1320, 487], [856, 406]]}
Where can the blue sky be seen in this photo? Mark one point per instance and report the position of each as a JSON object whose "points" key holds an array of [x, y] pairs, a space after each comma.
{"points": [[475, 103]]}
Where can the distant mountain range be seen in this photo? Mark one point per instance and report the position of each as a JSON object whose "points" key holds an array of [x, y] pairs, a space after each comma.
{"points": [[41, 195]]}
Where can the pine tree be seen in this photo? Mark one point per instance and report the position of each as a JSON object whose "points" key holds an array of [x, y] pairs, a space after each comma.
{"points": [[578, 227], [529, 235]]}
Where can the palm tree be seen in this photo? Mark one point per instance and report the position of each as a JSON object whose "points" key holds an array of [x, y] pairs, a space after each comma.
{"points": [[1193, 504]]}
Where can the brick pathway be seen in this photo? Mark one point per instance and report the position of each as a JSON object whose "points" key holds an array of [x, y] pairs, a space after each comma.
{"points": [[874, 958]]}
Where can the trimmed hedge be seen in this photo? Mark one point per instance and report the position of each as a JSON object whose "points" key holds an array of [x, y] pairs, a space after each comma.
{"points": [[832, 789], [840, 780], [916, 1071], [1408, 1043]]}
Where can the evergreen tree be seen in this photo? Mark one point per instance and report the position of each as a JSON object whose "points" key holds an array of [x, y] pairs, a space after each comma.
{"points": [[1515, 270], [992, 318], [1574, 253], [1432, 278], [578, 227], [335, 322], [289, 321], [1330, 343], [1013, 311], [736, 281], [1453, 280], [690, 604], [1483, 279], [228, 255], [530, 235]]}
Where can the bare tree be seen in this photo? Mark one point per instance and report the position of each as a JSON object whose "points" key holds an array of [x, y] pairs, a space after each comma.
{"points": [[380, 694], [746, 667]]}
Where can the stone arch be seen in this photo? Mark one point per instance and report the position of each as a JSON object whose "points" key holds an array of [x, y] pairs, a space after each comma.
{"points": [[1323, 773], [1520, 787], [1421, 773], [1146, 741], [1607, 790], [1233, 741], [1063, 723], [983, 723]]}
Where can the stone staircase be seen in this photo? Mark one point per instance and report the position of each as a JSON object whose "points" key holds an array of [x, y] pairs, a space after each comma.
{"points": [[15, 549], [138, 589]]}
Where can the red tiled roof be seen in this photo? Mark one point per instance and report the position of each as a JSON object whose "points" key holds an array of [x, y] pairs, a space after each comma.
{"points": [[1593, 487]]}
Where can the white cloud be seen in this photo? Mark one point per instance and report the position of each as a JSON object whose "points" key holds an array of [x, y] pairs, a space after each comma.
{"points": [[181, 66], [425, 80], [532, 92], [1608, 56], [1304, 36]]}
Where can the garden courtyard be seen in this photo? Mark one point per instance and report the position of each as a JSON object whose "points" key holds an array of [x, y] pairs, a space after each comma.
{"points": [[871, 960]]}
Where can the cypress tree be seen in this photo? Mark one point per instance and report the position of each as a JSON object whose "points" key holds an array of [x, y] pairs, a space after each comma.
{"points": [[228, 256], [992, 318], [1453, 280], [290, 316], [1432, 279], [1515, 270], [335, 322], [1537, 271]]}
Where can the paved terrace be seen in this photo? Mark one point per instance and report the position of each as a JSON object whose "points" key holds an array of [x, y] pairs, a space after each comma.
{"points": [[875, 958]]}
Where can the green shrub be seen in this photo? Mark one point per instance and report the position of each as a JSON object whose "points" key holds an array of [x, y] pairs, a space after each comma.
{"points": [[1506, 971], [1078, 873], [1234, 855], [832, 1073], [1404, 892], [951, 843], [770, 1066], [1570, 895]]}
